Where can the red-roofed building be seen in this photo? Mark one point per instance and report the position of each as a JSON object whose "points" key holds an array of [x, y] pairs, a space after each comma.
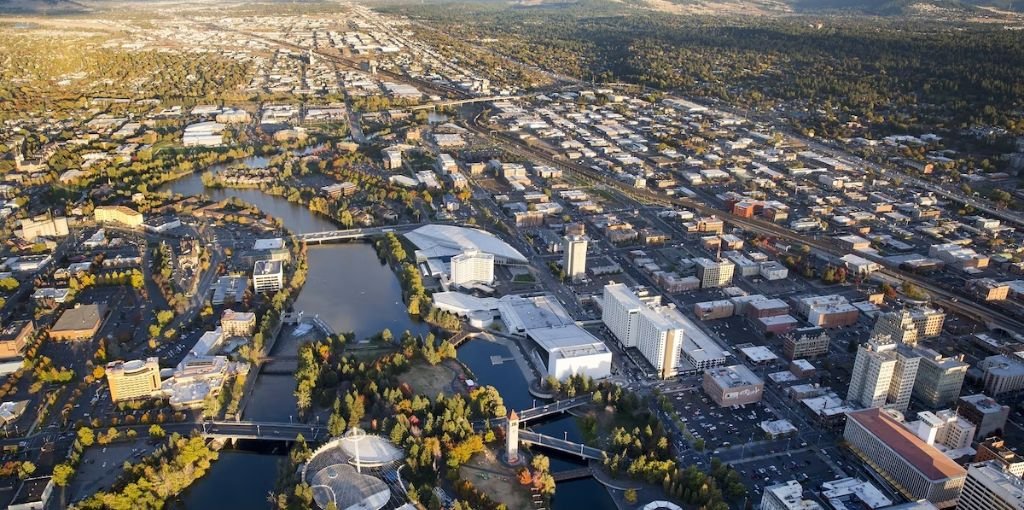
{"points": [[915, 468]]}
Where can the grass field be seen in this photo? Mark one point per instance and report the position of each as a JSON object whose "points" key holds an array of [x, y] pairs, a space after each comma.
{"points": [[430, 380]]}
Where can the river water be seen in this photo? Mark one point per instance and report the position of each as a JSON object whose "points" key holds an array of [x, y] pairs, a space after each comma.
{"points": [[351, 290]]}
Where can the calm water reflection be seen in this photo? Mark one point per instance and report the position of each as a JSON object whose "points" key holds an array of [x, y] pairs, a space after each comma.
{"points": [[349, 288]]}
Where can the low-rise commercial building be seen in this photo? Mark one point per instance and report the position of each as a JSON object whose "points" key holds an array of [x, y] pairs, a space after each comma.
{"points": [[830, 311], [994, 449], [13, 338], [31, 229], [984, 412], [733, 385], [786, 496], [1002, 374], [914, 468], [238, 323], [79, 323], [118, 214], [805, 344], [33, 494]]}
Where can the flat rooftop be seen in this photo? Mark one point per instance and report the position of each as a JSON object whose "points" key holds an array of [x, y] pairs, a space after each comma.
{"points": [[992, 473], [926, 459], [274, 243], [983, 403], [527, 313], [733, 376], [79, 318], [567, 341], [267, 267]]}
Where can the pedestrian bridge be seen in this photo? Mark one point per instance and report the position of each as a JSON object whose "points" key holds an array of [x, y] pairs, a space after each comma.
{"points": [[353, 233], [530, 437]]}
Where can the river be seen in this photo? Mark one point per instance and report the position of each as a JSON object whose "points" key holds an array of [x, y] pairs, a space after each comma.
{"points": [[351, 290]]}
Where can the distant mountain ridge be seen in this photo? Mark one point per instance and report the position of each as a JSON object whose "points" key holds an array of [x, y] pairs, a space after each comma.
{"points": [[891, 7]]}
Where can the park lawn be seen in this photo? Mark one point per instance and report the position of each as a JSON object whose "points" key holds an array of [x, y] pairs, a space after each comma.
{"points": [[429, 380], [490, 476], [369, 352]]}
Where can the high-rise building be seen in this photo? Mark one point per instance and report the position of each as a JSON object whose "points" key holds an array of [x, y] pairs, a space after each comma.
{"points": [[714, 273], [988, 487], [574, 257], [657, 331], [914, 468], [786, 496], [898, 326], [994, 449], [929, 321], [939, 378], [472, 266], [133, 379], [883, 375], [267, 276], [984, 412]]}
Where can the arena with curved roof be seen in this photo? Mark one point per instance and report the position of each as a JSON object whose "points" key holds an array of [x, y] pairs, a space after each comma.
{"points": [[447, 241]]}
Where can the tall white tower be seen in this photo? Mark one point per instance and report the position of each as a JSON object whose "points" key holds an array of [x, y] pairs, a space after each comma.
{"points": [[512, 438], [574, 259]]}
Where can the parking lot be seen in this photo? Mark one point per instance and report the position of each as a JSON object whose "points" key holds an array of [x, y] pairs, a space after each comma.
{"points": [[719, 427], [803, 465], [101, 465]]}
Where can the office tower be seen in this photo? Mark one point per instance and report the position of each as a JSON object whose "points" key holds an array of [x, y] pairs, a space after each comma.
{"points": [[714, 273], [133, 379], [883, 375], [939, 378], [574, 257], [472, 266]]}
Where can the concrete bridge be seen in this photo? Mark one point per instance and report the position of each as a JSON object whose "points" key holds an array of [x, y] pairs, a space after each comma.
{"points": [[456, 102], [353, 233]]}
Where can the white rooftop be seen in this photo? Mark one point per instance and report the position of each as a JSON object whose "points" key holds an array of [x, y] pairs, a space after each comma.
{"points": [[445, 241], [275, 243]]}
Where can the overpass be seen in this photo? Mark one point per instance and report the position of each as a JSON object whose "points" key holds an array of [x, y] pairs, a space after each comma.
{"points": [[456, 102], [353, 233]]}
